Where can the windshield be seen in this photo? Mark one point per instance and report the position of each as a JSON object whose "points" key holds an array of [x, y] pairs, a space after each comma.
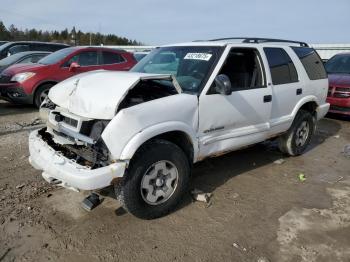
{"points": [[189, 64], [339, 64], [56, 56]]}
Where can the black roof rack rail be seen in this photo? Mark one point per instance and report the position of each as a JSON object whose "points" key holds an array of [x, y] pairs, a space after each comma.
{"points": [[261, 40]]}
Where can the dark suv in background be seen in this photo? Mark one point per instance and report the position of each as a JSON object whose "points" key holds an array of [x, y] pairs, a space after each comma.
{"points": [[30, 83], [11, 48]]}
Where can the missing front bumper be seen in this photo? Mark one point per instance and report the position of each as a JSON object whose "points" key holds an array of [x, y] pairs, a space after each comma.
{"points": [[66, 172]]}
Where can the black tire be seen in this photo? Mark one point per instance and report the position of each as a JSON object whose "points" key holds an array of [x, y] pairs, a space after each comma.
{"points": [[39, 92], [290, 143], [129, 192]]}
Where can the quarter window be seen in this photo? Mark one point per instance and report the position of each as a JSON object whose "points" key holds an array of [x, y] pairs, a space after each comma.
{"points": [[281, 66], [311, 62], [112, 58]]}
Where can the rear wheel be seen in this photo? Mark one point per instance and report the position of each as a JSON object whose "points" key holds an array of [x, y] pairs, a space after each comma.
{"points": [[299, 135], [41, 93], [155, 181]]}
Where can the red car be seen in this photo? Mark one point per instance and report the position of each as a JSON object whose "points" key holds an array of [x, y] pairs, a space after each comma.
{"points": [[338, 69], [30, 83]]}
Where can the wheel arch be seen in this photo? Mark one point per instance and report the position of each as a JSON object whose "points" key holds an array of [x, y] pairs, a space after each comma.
{"points": [[52, 82], [179, 134], [308, 103]]}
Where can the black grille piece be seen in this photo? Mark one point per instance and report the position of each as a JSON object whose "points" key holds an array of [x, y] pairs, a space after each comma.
{"points": [[70, 121], [5, 79]]}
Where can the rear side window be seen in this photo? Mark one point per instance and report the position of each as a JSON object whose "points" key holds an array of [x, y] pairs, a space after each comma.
{"points": [[18, 48], [311, 62], [46, 47], [111, 58], [281, 66]]}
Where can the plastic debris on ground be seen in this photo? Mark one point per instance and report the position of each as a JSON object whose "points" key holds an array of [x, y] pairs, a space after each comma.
{"points": [[90, 202], [201, 196], [239, 247], [346, 150], [279, 161], [301, 177]]}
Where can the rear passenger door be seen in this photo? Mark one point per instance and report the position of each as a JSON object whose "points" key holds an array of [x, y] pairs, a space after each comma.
{"points": [[285, 84], [113, 61]]}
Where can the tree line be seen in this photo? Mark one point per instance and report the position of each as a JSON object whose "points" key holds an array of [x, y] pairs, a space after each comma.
{"points": [[72, 37]]}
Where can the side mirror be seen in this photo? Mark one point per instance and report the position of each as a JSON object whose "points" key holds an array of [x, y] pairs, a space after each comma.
{"points": [[73, 66], [223, 85]]}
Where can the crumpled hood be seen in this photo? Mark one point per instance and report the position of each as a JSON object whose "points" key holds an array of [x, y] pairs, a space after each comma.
{"points": [[97, 94]]}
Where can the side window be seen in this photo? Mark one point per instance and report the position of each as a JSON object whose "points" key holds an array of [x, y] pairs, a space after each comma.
{"points": [[27, 59], [311, 62], [281, 66], [88, 58], [53, 48], [31, 59], [111, 58], [244, 69], [36, 58], [18, 48]]}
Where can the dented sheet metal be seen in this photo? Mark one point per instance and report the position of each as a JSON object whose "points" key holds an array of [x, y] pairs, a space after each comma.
{"points": [[83, 94], [135, 125], [67, 173]]}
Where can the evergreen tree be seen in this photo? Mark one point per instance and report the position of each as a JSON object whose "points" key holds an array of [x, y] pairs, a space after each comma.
{"points": [[74, 37]]}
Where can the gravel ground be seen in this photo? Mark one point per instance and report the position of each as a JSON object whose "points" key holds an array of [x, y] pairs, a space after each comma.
{"points": [[260, 210]]}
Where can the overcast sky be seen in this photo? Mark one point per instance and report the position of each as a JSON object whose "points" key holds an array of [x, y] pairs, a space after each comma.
{"points": [[163, 21]]}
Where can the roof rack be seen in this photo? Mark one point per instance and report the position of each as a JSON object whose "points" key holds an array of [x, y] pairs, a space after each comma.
{"points": [[257, 40]]}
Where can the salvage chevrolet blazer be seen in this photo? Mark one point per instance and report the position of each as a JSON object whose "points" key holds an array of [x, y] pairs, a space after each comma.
{"points": [[141, 131]]}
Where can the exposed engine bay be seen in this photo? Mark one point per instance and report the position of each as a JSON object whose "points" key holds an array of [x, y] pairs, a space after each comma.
{"points": [[147, 90], [93, 156]]}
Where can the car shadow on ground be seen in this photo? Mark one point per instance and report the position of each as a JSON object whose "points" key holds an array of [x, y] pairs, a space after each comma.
{"points": [[215, 172], [7, 108], [212, 173], [338, 117]]}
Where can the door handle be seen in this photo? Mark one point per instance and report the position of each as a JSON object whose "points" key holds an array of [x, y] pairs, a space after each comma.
{"points": [[299, 91], [267, 98]]}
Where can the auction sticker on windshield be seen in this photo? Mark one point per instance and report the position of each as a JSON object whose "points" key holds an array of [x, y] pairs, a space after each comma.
{"points": [[198, 56]]}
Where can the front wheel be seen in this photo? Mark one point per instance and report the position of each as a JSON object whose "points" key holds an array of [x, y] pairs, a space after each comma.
{"points": [[299, 135], [155, 181]]}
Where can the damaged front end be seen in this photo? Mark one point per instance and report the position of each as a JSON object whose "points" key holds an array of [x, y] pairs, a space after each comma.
{"points": [[76, 138], [71, 152]]}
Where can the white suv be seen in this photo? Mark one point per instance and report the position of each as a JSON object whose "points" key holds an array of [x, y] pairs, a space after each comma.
{"points": [[141, 131]]}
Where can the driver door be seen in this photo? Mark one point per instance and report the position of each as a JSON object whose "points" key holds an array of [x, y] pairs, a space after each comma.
{"points": [[228, 122], [87, 61]]}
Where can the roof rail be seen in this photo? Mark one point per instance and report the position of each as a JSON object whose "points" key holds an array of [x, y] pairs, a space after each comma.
{"points": [[261, 40]]}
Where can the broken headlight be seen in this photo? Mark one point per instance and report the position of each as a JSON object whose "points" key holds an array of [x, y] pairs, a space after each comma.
{"points": [[45, 108]]}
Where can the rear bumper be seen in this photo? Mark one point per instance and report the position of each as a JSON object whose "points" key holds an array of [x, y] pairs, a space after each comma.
{"points": [[65, 172], [322, 110], [14, 92]]}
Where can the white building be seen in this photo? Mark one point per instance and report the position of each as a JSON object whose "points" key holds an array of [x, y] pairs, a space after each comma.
{"points": [[326, 51]]}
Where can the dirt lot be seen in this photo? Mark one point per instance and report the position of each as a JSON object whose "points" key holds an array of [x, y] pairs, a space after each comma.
{"points": [[260, 210]]}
